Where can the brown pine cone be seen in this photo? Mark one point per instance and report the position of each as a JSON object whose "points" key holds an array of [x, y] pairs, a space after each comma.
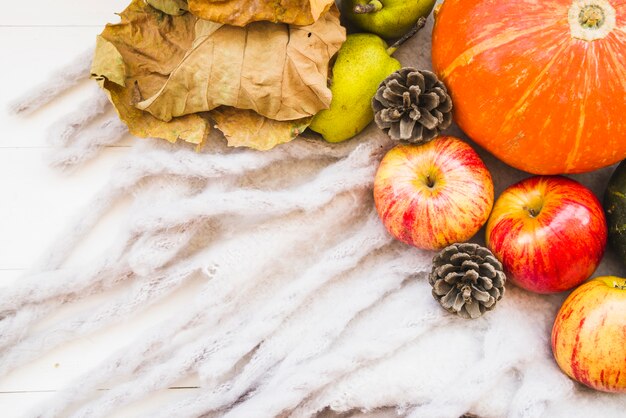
{"points": [[412, 105], [467, 280]]}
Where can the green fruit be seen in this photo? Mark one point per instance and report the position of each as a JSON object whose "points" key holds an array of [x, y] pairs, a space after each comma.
{"points": [[363, 62], [615, 207], [386, 18]]}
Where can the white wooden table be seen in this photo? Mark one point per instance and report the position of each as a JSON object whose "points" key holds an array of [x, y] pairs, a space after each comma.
{"points": [[38, 201]]}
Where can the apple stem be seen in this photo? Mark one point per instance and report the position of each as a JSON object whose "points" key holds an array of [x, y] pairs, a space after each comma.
{"points": [[371, 7], [533, 211], [429, 182], [418, 26]]}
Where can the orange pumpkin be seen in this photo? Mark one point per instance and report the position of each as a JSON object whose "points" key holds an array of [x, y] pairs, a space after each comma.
{"points": [[540, 84]]}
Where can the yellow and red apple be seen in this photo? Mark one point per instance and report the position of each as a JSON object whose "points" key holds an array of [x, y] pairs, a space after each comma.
{"points": [[433, 195], [549, 232], [589, 335]]}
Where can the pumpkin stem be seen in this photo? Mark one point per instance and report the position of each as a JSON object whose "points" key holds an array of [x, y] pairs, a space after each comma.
{"points": [[591, 17], [371, 7], [591, 20]]}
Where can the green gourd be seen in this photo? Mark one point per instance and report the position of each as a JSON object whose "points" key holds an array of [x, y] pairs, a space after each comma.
{"points": [[615, 208]]}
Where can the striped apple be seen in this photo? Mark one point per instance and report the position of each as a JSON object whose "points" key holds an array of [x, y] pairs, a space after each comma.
{"points": [[433, 195], [549, 232], [589, 335]]}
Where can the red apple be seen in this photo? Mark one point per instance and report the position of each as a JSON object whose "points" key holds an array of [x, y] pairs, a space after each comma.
{"points": [[589, 335], [549, 233], [433, 195]]}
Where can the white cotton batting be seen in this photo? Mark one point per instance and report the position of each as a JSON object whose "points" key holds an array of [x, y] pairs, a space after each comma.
{"points": [[88, 143], [227, 280], [58, 82], [65, 131], [399, 319], [312, 329]]}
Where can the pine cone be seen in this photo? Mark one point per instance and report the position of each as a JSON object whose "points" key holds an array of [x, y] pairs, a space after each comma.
{"points": [[467, 280], [412, 105]]}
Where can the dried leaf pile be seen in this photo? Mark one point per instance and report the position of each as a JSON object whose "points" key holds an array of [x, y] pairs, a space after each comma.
{"points": [[258, 70]]}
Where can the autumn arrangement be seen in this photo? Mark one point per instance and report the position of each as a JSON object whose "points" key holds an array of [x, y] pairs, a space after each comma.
{"points": [[525, 85], [320, 132]]}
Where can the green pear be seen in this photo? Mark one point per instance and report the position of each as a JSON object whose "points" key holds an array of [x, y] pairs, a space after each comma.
{"points": [[386, 18], [363, 62]]}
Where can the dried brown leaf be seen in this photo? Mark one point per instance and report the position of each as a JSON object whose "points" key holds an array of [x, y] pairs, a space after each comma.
{"points": [[134, 57], [246, 128], [108, 63], [179, 67], [191, 128], [243, 12], [171, 7], [277, 70]]}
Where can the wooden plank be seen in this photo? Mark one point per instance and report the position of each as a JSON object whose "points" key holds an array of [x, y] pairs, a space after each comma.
{"points": [[35, 54], [39, 202], [9, 276], [57, 368], [16, 404], [62, 13]]}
